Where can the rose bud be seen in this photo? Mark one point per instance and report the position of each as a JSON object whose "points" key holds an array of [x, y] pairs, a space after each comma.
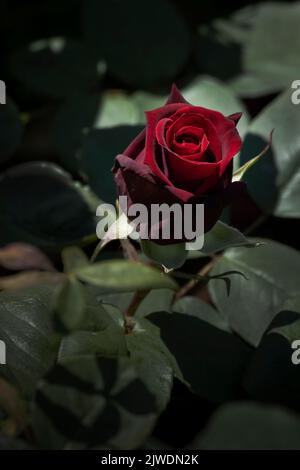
{"points": [[184, 155]]}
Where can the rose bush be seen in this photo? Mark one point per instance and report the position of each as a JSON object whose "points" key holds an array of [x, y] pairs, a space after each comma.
{"points": [[184, 155]]}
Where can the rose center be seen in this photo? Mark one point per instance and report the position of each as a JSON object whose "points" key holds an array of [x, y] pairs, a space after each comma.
{"points": [[187, 139], [190, 140]]}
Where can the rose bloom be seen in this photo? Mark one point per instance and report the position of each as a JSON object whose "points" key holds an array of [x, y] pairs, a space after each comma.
{"points": [[184, 155]]}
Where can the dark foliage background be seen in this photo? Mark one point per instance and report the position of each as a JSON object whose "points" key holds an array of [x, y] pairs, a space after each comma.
{"points": [[79, 75]]}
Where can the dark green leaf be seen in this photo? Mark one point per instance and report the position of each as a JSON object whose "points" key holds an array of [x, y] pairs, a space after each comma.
{"points": [[148, 354], [77, 114], [73, 258], [70, 303], [11, 130], [272, 272], [248, 426], [93, 402], [152, 359], [157, 300], [170, 256], [133, 53], [214, 40], [268, 69], [100, 147], [108, 342], [26, 329], [122, 275], [273, 182], [272, 374], [56, 67], [211, 360], [197, 308], [41, 205], [223, 236]]}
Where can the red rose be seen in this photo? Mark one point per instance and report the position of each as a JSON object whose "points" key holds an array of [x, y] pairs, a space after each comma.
{"points": [[184, 155]]}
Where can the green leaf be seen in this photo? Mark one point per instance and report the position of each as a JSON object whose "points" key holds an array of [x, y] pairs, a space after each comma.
{"points": [[223, 236], [196, 307], [250, 426], [268, 69], [272, 273], [11, 130], [148, 354], [73, 258], [15, 411], [122, 275], [56, 67], [272, 374], [146, 101], [41, 205], [90, 403], [210, 360], [155, 364], [118, 45], [240, 172], [254, 85], [117, 109], [26, 329], [95, 317], [290, 330], [121, 300], [156, 300], [96, 159], [108, 342], [170, 256], [274, 181], [217, 39], [70, 303], [74, 117]]}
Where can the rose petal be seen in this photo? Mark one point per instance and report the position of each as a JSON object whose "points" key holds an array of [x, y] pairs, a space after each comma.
{"points": [[227, 133], [186, 117], [141, 186], [235, 117], [161, 130], [153, 117], [136, 175], [175, 96], [191, 173], [192, 151], [215, 203], [137, 145]]}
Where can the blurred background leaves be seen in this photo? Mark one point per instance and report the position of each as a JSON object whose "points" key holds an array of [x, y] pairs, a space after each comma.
{"points": [[79, 77]]}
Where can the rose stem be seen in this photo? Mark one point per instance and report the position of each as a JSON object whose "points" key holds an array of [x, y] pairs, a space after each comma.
{"points": [[132, 308], [192, 282], [129, 250], [131, 254]]}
